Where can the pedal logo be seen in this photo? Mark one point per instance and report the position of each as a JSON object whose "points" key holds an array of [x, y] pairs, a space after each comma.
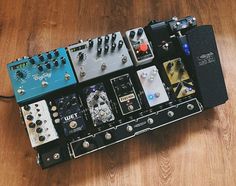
{"points": [[127, 98], [205, 59], [71, 117], [41, 77]]}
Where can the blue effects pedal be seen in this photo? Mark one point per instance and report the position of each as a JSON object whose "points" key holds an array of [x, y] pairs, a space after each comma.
{"points": [[35, 76]]}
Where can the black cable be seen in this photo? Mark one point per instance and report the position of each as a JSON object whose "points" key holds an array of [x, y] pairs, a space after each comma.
{"points": [[6, 97]]}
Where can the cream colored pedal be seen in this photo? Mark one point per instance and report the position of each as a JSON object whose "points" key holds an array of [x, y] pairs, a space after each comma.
{"points": [[39, 123]]}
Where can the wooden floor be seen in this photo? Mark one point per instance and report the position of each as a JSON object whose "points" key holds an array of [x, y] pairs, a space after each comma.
{"points": [[198, 151]]}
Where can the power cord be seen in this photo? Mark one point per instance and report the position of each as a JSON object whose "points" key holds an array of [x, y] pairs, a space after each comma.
{"points": [[6, 97]]}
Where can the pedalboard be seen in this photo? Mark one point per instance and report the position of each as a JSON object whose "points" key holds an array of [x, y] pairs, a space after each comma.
{"points": [[96, 93]]}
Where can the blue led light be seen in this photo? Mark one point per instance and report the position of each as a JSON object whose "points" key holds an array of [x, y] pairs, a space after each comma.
{"points": [[186, 46], [150, 97], [186, 49]]}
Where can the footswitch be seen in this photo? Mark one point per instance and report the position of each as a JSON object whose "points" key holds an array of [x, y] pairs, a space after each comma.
{"points": [[66, 111], [36, 76], [39, 123], [139, 46], [152, 85], [98, 104], [125, 94], [99, 56]]}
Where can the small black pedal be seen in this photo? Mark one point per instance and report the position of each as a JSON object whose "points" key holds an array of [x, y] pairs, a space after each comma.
{"points": [[53, 156], [125, 94], [205, 66], [67, 112]]}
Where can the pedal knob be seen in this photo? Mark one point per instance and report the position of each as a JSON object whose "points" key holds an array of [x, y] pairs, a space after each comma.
{"points": [[40, 68], [143, 47], [132, 34], [42, 138], [113, 46], [30, 117], [32, 61], [90, 43], [108, 136], [106, 39], [20, 74], [157, 94], [129, 128], [56, 53], [86, 144], [82, 73], [124, 59], [48, 65], [103, 66], [49, 56], [140, 32], [74, 99], [39, 122], [55, 63], [99, 51], [41, 58], [39, 130], [106, 48], [81, 56], [113, 37], [144, 75], [63, 60], [32, 125], [99, 40], [27, 107], [120, 44], [169, 66]]}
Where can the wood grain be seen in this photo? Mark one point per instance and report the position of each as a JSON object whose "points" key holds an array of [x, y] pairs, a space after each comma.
{"points": [[200, 150]]}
